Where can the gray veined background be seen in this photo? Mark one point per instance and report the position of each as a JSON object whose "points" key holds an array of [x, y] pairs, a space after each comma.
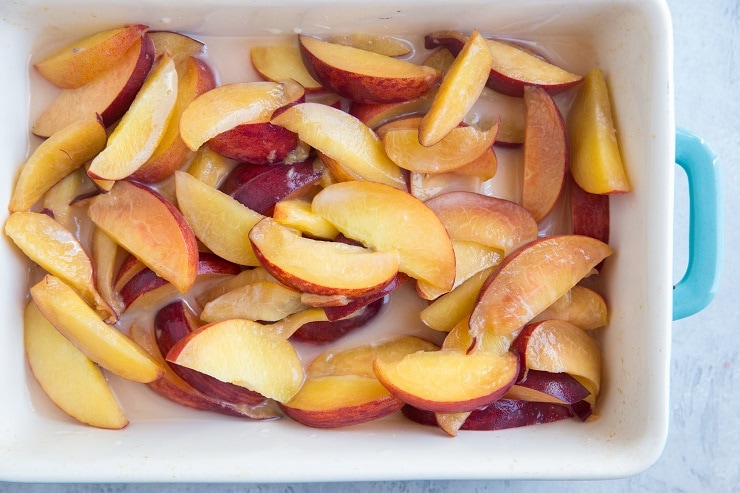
{"points": [[703, 448]]}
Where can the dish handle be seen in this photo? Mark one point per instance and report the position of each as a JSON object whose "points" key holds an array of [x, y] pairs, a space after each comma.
{"points": [[697, 287]]}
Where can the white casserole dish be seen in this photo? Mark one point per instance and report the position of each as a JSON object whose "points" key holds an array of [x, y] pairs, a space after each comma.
{"points": [[630, 39]]}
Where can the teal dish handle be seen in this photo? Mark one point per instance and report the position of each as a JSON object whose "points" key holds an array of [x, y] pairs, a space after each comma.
{"points": [[700, 281]]}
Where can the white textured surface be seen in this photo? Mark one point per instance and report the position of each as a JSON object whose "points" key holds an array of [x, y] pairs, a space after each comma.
{"points": [[703, 448]]}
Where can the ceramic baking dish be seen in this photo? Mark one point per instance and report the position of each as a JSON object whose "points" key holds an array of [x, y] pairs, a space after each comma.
{"points": [[630, 39]]}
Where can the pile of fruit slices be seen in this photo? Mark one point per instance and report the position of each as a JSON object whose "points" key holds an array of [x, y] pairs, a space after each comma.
{"points": [[190, 235]]}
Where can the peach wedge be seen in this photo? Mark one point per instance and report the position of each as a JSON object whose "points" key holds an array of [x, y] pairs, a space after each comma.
{"points": [[83, 60], [364, 76], [100, 342], [321, 267], [151, 228], [531, 279], [140, 130], [179, 46], [71, 380], [280, 62], [390, 220]]}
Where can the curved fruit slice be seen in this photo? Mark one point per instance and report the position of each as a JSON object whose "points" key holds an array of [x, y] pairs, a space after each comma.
{"points": [[100, 342], [580, 306], [281, 62], [544, 386], [262, 301], [109, 95], [326, 331], [297, 214], [83, 60], [70, 379], [546, 156], [376, 115], [490, 221], [533, 278], [387, 219], [459, 147], [589, 213], [244, 353], [243, 278], [179, 46], [377, 43], [462, 84], [257, 143], [321, 267], [58, 251], [445, 312], [365, 76], [55, 158], [140, 130], [343, 138], [230, 105], [209, 167], [596, 163], [104, 253], [207, 210], [335, 401], [558, 346], [449, 380], [150, 228]]}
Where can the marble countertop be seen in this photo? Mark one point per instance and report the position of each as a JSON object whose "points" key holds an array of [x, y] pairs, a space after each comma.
{"points": [[702, 452]]}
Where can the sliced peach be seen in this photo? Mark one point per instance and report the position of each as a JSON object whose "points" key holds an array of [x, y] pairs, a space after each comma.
{"points": [[513, 67], [446, 311], [460, 146], [589, 213], [297, 214], [558, 346], [280, 62], [177, 45], [230, 105], [460, 88], [207, 210], [336, 401], [244, 278], [490, 221], [546, 156], [70, 379], [60, 200], [318, 266], [581, 306], [109, 95], [260, 301], [441, 59], [344, 138], [533, 278], [105, 260], [85, 59], [425, 186], [377, 43], [365, 76], [100, 342], [151, 228], [127, 270], [258, 143], [55, 158], [544, 386], [141, 129], [194, 78], [320, 332], [244, 353], [471, 258], [58, 251], [509, 110], [358, 360], [209, 167], [459, 338], [596, 164], [387, 219], [449, 380]]}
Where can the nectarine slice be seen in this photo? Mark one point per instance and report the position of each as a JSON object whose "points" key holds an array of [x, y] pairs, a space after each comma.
{"points": [[580, 306], [263, 301], [151, 228], [531, 279], [70, 379], [209, 167], [177, 45], [280, 62], [297, 214], [596, 163], [377, 43], [447, 310], [319, 266]]}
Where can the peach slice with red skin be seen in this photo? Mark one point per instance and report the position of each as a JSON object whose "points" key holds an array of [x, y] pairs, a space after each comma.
{"points": [[326, 331], [343, 138], [387, 219], [244, 353], [334, 401], [543, 386], [280, 62], [589, 213], [318, 266], [546, 156], [100, 342], [56, 157], [375, 114], [365, 76], [297, 214], [57, 250], [71, 380], [449, 380], [580, 306], [262, 301], [462, 84], [445, 312], [85, 59], [243, 278], [179, 46], [105, 254], [151, 228], [209, 167], [596, 163], [513, 67], [194, 77], [258, 143], [531, 279], [343, 310], [377, 43], [109, 95]]}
